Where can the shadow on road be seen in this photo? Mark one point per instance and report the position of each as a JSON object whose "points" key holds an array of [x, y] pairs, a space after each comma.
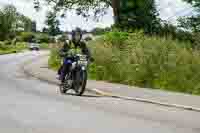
{"points": [[85, 95]]}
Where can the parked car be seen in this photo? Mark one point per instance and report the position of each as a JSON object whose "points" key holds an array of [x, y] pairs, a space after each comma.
{"points": [[34, 46]]}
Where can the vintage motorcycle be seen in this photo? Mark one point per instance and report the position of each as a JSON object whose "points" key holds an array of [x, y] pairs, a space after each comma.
{"points": [[76, 79]]}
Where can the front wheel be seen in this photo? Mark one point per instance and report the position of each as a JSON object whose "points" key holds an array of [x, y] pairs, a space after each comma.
{"points": [[66, 85], [62, 89], [81, 82]]}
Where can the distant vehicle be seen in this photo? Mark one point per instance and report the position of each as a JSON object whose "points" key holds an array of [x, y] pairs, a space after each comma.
{"points": [[88, 38], [34, 46]]}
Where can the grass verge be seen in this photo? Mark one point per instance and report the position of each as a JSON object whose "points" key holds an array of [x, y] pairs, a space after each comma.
{"points": [[8, 49]]}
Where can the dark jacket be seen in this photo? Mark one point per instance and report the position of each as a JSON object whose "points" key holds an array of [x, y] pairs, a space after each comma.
{"points": [[64, 52]]}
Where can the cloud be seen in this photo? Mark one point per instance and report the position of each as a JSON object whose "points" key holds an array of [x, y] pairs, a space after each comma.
{"points": [[169, 10]]}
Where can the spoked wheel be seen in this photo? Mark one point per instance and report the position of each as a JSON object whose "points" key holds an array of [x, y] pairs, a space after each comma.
{"points": [[64, 87], [80, 83]]}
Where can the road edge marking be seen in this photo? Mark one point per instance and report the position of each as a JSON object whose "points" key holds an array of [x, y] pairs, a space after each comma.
{"points": [[190, 108]]}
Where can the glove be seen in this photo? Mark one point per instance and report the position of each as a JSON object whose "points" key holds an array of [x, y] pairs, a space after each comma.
{"points": [[92, 59], [61, 54]]}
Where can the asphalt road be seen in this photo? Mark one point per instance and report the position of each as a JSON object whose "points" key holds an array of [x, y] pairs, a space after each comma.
{"points": [[28, 105]]}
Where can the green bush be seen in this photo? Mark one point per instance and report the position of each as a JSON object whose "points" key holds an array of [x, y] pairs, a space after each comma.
{"points": [[196, 40], [20, 46], [151, 62], [116, 38], [3, 46], [6, 49], [43, 38], [44, 45], [27, 36]]}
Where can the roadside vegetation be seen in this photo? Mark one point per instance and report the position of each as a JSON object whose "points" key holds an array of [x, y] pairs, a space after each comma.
{"points": [[139, 60], [151, 62], [54, 61], [22, 40], [17, 30], [9, 48], [144, 51]]}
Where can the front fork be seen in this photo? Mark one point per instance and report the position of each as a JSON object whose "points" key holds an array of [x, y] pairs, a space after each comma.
{"points": [[77, 77]]}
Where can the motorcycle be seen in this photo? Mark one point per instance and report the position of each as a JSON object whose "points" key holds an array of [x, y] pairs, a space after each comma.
{"points": [[76, 79]]}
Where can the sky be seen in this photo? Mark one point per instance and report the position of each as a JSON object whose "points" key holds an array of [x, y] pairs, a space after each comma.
{"points": [[169, 10]]}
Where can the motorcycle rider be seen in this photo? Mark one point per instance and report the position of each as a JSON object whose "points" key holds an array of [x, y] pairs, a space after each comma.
{"points": [[75, 44]]}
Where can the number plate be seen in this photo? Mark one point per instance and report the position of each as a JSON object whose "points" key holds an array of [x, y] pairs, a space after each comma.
{"points": [[80, 62]]}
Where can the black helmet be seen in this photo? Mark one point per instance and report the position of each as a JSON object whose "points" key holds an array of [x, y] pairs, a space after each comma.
{"points": [[77, 36]]}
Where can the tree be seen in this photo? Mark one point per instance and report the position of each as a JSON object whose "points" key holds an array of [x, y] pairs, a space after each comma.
{"points": [[168, 30], [52, 24], [194, 21], [24, 23], [82, 7], [116, 10], [12, 21], [98, 31], [138, 13], [8, 21], [194, 3], [190, 23], [45, 30], [33, 26]]}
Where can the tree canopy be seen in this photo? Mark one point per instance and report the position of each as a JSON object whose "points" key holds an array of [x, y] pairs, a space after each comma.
{"points": [[52, 23], [82, 7], [195, 3], [191, 23], [8, 21], [137, 13], [12, 21]]}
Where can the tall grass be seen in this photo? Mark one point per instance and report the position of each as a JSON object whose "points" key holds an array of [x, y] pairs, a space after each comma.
{"points": [[44, 45], [54, 61], [151, 62]]}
